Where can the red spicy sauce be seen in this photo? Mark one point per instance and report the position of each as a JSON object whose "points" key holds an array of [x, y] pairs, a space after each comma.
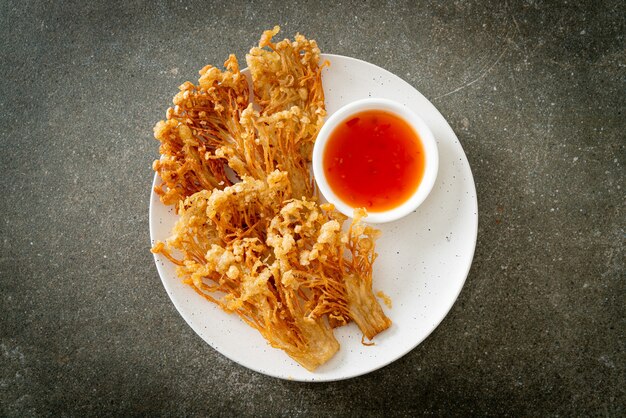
{"points": [[374, 160]]}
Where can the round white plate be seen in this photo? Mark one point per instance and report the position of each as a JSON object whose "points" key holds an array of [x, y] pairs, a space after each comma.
{"points": [[423, 259]]}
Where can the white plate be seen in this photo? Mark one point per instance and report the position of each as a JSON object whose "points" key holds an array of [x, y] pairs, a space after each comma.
{"points": [[422, 264]]}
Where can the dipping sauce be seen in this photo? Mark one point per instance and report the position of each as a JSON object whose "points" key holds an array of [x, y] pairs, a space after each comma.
{"points": [[375, 160]]}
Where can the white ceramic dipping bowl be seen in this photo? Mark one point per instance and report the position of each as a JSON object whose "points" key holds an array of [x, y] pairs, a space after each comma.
{"points": [[431, 157]]}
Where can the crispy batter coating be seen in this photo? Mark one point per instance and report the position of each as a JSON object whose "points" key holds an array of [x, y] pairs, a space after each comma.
{"points": [[213, 124], [220, 236], [283, 265], [259, 245], [316, 257], [204, 118], [289, 75]]}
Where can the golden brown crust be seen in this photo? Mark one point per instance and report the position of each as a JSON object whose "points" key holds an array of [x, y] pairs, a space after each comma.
{"points": [[261, 246], [204, 118]]}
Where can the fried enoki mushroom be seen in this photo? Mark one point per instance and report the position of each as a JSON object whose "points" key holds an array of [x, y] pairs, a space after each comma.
{"points": [[257, 243], [284, 266], [213, 124], [288, 74], [334, 268], [221, 239], [279, 137], [204, 118]]}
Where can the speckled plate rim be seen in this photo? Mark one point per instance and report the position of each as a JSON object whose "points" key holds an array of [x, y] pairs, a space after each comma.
{"points": [[173, 290]]}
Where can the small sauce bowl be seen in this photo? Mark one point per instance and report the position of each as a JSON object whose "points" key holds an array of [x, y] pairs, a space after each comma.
{"points": [[422, 134]]}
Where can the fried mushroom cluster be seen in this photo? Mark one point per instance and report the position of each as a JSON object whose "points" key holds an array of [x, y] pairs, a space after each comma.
{"points": [[251, 234]]}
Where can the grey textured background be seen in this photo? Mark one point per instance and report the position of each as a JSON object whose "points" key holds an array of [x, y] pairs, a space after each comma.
{"points": [[534, 90]]}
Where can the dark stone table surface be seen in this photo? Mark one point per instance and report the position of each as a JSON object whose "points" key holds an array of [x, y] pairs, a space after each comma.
{"points": [[536, 94]]}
